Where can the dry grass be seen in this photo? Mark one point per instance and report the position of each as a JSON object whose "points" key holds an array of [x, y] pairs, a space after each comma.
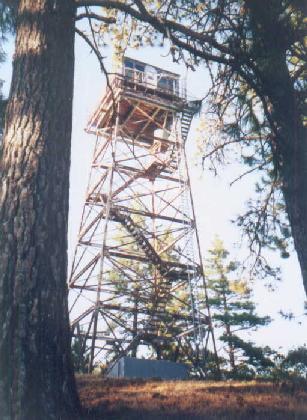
{"points": [[120, 399]]}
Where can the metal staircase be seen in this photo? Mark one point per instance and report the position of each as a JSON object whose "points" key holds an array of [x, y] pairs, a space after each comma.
{"points": [[188, 113], [173, 271]]}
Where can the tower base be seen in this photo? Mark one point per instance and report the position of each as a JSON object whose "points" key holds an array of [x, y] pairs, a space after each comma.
{"points": [[131, 367]]}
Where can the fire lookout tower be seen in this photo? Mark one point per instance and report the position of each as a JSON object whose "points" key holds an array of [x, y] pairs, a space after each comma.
{"points": [[137, 277]]}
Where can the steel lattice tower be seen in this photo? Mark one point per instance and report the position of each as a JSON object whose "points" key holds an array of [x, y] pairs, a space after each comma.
{"points": [[137, 276]]}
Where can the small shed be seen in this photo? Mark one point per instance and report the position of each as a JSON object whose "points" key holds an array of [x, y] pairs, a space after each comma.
{"points": [[131, 367]]}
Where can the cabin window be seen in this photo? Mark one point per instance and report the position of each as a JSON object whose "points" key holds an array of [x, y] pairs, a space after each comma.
{"points": [[162, 83], [139, 67], [128, 69], [134, 70], [141, 73], [168, 84], [129, 64]]}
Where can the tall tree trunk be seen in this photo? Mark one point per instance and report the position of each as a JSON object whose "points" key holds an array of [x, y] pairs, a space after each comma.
{"points": [[289, 148], [291, 154], [135, 326], [36, 375], [228, 333], [231, 350]]}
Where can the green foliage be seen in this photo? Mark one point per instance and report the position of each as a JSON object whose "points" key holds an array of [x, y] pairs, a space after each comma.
{"points": [[298, 355], [296, 361], [8, 9], [233, 311], [291, 367], [79, 356], [258, 357]]}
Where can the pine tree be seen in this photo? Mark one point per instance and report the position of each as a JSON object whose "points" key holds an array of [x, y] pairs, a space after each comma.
{"points": [[79, 356], [233, 310], [36, 380]]}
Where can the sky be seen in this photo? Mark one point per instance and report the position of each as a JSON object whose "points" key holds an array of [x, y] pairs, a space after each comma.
{"points": [[216, 203]]}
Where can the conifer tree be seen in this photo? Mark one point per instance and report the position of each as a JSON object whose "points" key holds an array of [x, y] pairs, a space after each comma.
{"points": [[233, 310], [36, 380]]}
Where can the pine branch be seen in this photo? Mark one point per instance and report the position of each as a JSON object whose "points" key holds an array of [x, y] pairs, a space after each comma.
{"points": [[90, 15]]}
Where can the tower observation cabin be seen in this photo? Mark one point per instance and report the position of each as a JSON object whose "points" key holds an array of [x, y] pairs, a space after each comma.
{"points": [[156, 87], [136, 283]]}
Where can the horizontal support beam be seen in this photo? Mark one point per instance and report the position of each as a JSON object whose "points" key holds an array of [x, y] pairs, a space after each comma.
{"points": [[149, 214], [170, 264], [176, 316], [126, 168], [144, 311]]}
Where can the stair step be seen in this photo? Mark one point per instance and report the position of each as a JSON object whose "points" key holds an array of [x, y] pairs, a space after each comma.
{"points": [[143, 242]]}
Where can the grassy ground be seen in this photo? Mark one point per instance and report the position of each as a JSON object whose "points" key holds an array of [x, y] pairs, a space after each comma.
{"points": [[119, 399]]}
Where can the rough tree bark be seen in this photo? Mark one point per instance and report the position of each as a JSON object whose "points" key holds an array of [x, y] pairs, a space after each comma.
{"points": [[36, 379]]}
